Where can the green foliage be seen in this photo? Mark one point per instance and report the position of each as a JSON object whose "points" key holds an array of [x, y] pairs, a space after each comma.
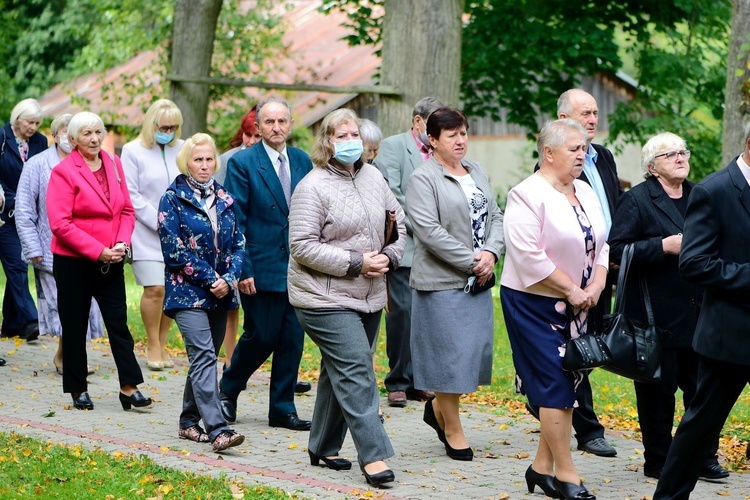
{"points": [[365, 20], [681, 76]]}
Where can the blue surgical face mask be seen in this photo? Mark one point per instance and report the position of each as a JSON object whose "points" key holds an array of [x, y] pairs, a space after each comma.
{"points": [[163, 138], [348, 152]]}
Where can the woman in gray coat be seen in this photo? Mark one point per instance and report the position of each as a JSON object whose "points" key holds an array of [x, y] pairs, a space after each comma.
{"points": [[340, 252], [458, 234]]}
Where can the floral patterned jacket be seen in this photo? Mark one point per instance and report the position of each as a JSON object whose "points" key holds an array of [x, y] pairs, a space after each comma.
{"points": [[192, 261]]}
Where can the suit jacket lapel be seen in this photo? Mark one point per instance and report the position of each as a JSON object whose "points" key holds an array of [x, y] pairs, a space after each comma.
{"points": [[271, 179], [662, 201], [88, 175], [740, 183]]}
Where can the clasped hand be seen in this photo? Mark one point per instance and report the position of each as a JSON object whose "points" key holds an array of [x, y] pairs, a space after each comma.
{"points": [[484, 267], [220, 288], [113, 255], [374, 264], [583, 299]]}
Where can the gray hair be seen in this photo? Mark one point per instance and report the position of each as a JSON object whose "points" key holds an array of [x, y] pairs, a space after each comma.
{"points": [[273, 99], [60, 122], [426, 106], [25, 110], [84, 120], [370, 132], [665, 140], [553, 134]]}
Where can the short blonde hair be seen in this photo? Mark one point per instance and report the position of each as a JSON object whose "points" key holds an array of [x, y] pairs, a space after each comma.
{"points": [[665, 140], [25, 110], [186, 150], [158, 112], [84, 120], [59, 123], [322, 149]]}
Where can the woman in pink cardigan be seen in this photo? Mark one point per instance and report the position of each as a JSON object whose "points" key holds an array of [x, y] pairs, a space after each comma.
{"points": [[555, 268], [92, 218]]}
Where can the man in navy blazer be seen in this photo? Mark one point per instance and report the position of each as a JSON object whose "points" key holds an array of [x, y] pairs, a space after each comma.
{"points": [[715, 255], [256, 178]]}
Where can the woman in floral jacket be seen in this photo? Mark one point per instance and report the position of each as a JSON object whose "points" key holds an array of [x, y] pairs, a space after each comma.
{"points": [[202, 250]]}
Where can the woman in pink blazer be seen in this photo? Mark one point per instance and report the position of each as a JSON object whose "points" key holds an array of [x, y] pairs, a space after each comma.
{"points": [[555, 268], [92, 219]]}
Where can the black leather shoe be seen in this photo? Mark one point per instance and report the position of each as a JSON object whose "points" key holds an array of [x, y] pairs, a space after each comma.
{"points": [[572, 491], [136, 399], [82, 401], [30, 332], [712, 472], [544, 481], [2, 362], [228, 407], [291, 422], [654, 473], [430, 419], [379, 479], [599, 447], [464, 454], [332, 463], [302, 387]]}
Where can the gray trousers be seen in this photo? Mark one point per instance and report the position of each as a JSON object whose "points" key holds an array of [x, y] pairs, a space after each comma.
{"points": [[347, 391], [202, 332], [398, 332]]}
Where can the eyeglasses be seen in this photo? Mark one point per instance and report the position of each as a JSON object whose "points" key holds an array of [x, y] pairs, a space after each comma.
{"points": [[672, 155], [168, 128]]}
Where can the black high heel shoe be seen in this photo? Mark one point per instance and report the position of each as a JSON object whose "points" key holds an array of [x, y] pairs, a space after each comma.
{"points": [[464, 454], [544, 481], [572, 491], [136, 399], [332, 463], [82, 401], [430, 419], [380, 478]]}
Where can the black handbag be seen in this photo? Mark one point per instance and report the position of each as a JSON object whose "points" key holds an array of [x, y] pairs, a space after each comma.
{"points": [[635, 347], [585, 352], [475, 288]]}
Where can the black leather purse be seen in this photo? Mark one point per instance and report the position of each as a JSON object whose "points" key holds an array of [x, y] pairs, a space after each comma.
{"points": [[635, 347], [585, 352]]}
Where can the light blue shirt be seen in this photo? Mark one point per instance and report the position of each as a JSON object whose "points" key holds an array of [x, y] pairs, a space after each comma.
{"points": [[592, 174]]}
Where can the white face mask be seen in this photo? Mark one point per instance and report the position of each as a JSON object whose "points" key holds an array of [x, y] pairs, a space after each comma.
{"points": [[64, 143]]}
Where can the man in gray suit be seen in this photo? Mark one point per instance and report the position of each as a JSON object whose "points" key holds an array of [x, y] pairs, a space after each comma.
{"points": [[398, 156]]}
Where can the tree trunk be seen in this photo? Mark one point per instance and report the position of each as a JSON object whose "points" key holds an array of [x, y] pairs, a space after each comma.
{"points": [[737, 93], [192, 48], [421, 57]]}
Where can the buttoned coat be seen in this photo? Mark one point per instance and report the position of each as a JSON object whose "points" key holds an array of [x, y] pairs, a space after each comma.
{"points": [[715, 255], [149, 174], [645, 216], [399, 156], [32, 222], [262, 212], [11, 165], [83, 221]]}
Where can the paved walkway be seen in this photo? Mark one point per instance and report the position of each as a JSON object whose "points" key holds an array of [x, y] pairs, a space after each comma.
{"points": [[31, 390]]}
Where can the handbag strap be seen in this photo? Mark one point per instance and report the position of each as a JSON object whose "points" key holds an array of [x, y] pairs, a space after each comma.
{"points": [[625, 264]]}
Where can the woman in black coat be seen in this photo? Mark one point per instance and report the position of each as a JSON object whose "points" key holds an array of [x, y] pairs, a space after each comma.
{"points": [[652, 215]]}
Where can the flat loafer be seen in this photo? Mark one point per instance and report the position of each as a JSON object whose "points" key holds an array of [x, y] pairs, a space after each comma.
{"points": [[82, 401], [291, 422]]}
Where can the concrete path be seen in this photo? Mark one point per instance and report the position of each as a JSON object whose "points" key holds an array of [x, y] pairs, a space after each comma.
{"points": [[503, 442]]}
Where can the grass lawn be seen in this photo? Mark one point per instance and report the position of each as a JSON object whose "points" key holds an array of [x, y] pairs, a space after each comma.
{"points": [[614, 397], [29, 467]]}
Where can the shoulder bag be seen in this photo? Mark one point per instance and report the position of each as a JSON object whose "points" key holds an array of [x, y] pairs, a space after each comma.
{"points": [[635, 347]]}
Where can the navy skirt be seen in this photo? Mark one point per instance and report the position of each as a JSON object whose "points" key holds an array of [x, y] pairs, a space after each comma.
{"points": [[538, 328]]}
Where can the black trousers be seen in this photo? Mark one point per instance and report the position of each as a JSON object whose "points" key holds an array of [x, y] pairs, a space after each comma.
{"points": [[719, 386], [78, 281], [656, 406]]}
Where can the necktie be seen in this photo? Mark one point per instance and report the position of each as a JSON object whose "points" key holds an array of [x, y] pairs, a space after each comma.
{"points": [[285, 179]]}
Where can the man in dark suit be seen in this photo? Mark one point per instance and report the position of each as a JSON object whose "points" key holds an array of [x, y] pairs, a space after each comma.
{"points": [[600, 172], [262, 179], [398, 156], [715, 255]]}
